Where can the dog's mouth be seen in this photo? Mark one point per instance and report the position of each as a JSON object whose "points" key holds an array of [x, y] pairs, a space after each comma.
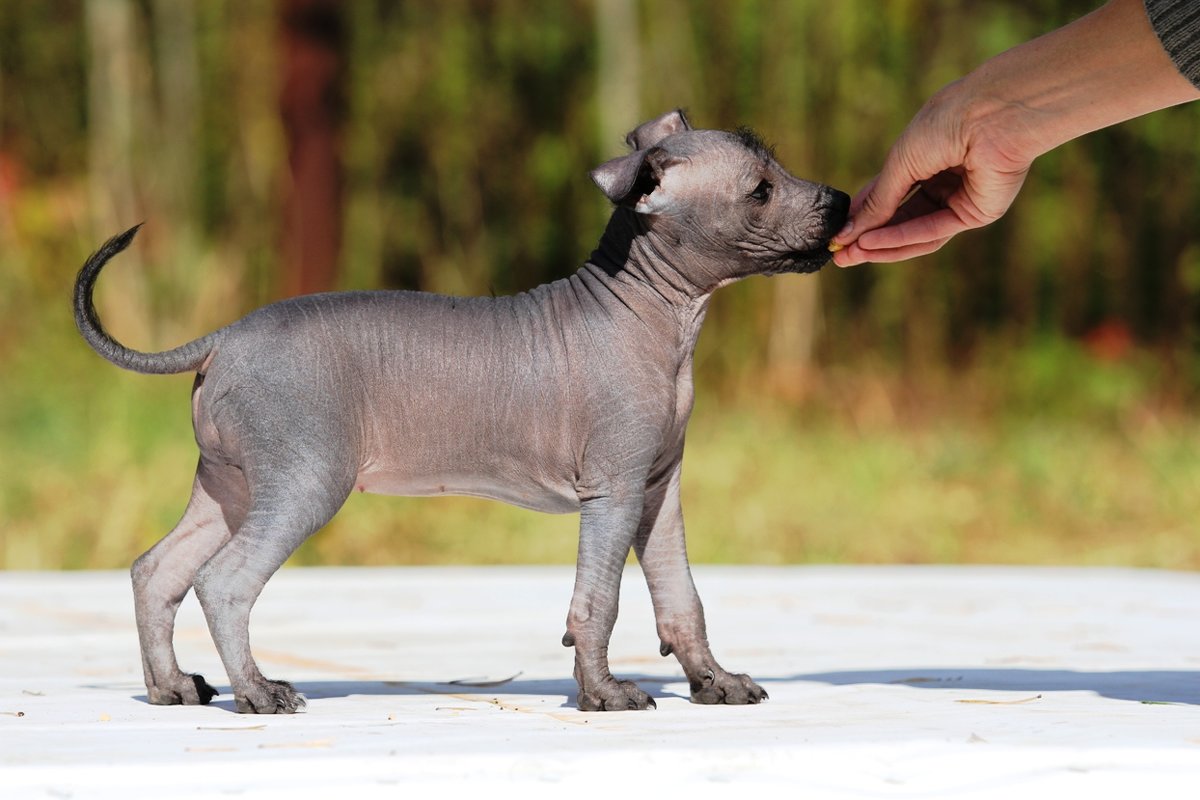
{"points": [[818, 255], [827, 219], [805, 261]]}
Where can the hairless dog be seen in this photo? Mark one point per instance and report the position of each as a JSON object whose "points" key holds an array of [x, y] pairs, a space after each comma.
{"points": [[573, 396]]}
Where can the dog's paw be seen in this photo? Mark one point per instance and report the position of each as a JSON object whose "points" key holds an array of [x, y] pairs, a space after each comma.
{"points": [[718, 686], [187, 690], [270, 697], [615, 695]]}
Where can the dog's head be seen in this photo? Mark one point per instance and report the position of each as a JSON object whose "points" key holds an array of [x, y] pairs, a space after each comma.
{"points": [[722, 202]]}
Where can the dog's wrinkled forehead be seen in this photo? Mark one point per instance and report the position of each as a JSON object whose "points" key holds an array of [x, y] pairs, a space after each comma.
{"points": [[739, 143]]}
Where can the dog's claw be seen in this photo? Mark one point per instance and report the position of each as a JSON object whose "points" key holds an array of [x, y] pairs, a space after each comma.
{"points": [[204, 692], [614, 695], [186, 690], [727, 688], [271, 697]]}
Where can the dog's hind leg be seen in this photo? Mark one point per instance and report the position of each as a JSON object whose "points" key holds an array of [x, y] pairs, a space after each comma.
{"points": [[288, 505], [163, 575]]}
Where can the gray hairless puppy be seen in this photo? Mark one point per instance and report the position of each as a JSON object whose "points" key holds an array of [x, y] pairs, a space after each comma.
{"points": [[571, 397]]}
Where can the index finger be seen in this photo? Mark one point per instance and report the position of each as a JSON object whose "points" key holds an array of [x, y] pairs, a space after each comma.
{"points": [[937, 225]]}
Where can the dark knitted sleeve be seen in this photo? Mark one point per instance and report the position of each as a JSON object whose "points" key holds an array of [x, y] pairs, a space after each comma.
{"points": [[1177, 23]]}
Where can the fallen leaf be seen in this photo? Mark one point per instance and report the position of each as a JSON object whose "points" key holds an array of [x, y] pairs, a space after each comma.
{"points": [[210, 749], [1002, 702], [237, 728], [484, 683], [315, 743]]}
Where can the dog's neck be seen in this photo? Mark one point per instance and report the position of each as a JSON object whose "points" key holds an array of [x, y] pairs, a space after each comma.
{"points": [[636, 264], [633, 248]]}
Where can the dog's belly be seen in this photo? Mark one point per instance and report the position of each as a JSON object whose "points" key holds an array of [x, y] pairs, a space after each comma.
{"points": [[520, 491]]}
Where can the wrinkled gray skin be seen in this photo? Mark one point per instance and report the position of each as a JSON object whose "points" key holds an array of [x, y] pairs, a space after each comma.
{"points": [[571, 397]]}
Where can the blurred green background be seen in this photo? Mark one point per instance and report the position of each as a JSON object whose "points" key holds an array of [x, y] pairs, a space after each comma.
{"points": [[1029, 394]]}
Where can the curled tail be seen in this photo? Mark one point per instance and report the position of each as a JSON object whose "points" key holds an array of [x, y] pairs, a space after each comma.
{"points": [[184, 358]]}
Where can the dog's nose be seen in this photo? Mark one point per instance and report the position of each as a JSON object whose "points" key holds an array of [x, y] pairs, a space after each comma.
{"points": [[839, 205]]}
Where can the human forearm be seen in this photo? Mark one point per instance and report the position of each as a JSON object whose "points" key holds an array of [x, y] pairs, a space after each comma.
{"points": [[1102, 69]]}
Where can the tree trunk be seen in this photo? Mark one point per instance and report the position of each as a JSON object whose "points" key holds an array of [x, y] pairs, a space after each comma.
{"points": [[795, 323], [618, 71], [312, 104], [179, 81], [175, 177], [111, 56]]}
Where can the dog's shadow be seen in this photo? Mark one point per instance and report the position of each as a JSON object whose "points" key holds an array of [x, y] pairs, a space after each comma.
{"points": [[1178, 687], [1142, 686]]}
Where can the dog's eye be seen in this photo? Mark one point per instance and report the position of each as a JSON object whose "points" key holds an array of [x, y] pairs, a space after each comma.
{"points": [[762, 192]]}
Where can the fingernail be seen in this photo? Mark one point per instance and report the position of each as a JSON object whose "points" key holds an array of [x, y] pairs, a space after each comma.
{"points": [[846, 230]]}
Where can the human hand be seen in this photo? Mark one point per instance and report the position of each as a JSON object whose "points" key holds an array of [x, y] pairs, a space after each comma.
{"points": [[961, 161], [958, 165]]}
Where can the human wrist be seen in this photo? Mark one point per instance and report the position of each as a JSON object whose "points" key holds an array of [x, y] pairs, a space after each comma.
{"points": [[1026, 101], [1000, 125]]}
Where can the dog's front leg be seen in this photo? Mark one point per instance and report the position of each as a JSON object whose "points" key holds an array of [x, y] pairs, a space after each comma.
{"points": [[679, 615], [607, 524]]}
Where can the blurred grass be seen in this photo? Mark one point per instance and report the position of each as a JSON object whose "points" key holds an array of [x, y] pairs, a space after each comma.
{"points": [[1044, 455]]}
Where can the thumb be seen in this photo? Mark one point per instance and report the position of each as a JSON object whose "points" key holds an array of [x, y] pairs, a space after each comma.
{"points": [[850, 231], [877, 202]]}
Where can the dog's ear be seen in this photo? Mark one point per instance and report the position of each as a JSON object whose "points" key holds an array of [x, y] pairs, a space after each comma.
{"points": [[650, 133], [629, 179], [636, 180], [618, 177]]}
